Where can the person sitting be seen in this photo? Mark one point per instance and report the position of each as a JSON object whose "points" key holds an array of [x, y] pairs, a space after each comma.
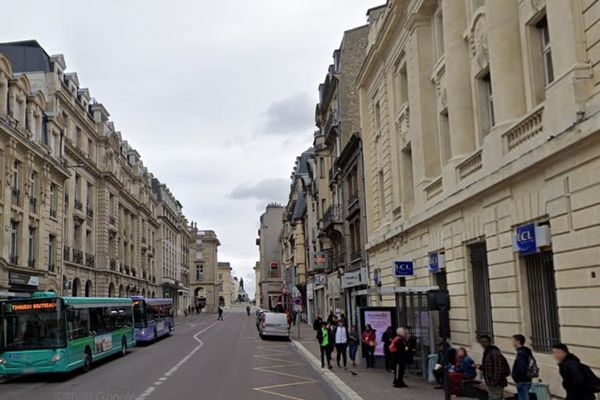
{"points": [[438, 370], [463, 369]]}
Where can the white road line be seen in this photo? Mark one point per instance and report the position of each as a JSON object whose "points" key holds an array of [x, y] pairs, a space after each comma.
{"points": [[170, 372]]}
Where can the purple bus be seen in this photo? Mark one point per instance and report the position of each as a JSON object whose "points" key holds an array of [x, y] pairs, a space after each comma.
{"points": [[152, 318]]}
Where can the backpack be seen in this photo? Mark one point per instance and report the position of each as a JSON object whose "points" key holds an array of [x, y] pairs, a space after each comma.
{"points": [[533, 371], [590, 378]]}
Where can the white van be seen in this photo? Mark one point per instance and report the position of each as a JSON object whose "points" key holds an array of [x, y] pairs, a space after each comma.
{"points": [[273, 324]]}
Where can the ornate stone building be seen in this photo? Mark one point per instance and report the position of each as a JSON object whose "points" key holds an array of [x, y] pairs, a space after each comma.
{"points": [[204, 279], [269, 244], [480, 130]]}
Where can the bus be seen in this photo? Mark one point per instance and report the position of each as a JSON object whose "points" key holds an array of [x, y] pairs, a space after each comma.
{"points": [[153, 318], [47, 333]]}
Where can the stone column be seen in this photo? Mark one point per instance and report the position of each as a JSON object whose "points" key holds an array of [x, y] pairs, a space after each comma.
{"points": [[506, 64]]}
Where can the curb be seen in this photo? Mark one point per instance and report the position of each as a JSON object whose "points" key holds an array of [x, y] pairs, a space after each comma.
{"points": [[339, 386]]}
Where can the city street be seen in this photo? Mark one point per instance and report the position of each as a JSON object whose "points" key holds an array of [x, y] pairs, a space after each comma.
{"points": [[204, 358]]}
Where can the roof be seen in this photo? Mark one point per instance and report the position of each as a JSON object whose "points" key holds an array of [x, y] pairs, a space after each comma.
{"points": [[300, 207], [27, 56]]}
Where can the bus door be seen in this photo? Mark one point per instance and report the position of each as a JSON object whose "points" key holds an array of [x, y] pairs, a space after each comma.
{"points": [[78, 332]]}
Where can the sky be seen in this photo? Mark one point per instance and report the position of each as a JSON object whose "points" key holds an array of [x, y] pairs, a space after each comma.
{"points": [[218, 97]]}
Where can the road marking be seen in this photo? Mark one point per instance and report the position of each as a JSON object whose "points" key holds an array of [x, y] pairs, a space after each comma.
{"points": [[173, 369], [275, 355]]}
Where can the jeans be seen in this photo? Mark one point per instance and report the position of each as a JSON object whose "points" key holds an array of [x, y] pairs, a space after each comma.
{"points": [[369, 354], [523, 390], [325, 354], [399, 373], [352, 349], [341, 353]]}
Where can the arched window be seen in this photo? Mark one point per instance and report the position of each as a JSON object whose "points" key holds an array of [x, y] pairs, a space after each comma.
{"points": [[88, 288]]}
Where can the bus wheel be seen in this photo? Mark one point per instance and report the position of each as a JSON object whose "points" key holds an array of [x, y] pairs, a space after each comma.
{"points": [[87, 360], [123, 347]]}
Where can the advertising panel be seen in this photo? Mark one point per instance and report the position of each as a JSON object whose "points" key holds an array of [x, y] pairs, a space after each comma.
{"points": [[379, 320]]}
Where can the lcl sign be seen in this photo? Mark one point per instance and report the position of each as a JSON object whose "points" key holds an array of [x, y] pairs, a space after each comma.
{"points": [[530, 237]]}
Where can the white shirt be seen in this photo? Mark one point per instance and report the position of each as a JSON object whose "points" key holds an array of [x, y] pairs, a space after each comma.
{"points": [[341, 336]]}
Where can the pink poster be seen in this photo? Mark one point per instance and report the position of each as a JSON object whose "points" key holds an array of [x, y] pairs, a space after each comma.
{"points": [[379, 320]]}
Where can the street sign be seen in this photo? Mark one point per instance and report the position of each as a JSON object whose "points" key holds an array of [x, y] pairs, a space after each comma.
{"points": [[403, 268], [525, 239], [320, 279], [298, 301], [434, 263]]}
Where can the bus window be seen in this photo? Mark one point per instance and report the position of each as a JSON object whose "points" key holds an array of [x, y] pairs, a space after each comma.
{"points": [[78, 321]]}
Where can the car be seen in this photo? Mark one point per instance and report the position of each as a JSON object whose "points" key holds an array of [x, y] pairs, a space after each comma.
{"points": [[273, 325]]}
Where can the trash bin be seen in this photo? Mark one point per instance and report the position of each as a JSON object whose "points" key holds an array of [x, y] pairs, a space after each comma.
{"points": [[431, 361], [541, 390]]}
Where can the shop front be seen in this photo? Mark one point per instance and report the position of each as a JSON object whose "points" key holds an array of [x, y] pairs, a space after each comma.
{"points": [[353, 281]]}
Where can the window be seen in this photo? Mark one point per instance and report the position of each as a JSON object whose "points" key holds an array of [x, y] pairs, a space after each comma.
{"points": [[90, 148], [51, 251], [53, 200], [14, 242], [407, 175], [438, 33], [543, 306], [33, 191], [482, 299], [77, 188], [377, 116], [542, 26], [445, 146], [31, 248], [381, 193], [16, 175], [199, 272], [401, 82], [220, 277], [487, 118], [78, 137]]}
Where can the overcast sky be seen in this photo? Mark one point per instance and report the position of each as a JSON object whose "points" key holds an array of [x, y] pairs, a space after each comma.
{"points": [[217, 96]]}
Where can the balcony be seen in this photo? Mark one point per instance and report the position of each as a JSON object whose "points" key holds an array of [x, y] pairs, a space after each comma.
{"points": [[112, 265], [355, 256], [32, 204], [51, 268], [89, 211], [77, 256], [333, 215], [31, 262], [78, 205], [67, 253], [16, 195], [331, 122], [13, 259], [89, 260]]}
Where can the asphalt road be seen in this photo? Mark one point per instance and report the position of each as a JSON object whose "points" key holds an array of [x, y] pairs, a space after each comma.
{"points": [[204, 359]]}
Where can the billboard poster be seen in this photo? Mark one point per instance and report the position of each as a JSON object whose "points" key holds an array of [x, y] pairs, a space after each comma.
{"points": [[103, 343], [379, 320]]}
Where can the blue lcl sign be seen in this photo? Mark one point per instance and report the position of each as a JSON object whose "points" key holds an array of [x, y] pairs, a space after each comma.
{"points": [[525, 239], [404, 268], [434, 263]]}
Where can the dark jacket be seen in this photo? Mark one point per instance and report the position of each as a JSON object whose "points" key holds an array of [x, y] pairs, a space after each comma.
{"points": [[573, 380], [521, 365], [495, 368], [387, 338], [400, 350]]}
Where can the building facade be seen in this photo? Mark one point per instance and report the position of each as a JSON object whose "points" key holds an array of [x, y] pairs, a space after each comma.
{"points": [[270, 253], [225, 284], [203, 279], [480, 131]]}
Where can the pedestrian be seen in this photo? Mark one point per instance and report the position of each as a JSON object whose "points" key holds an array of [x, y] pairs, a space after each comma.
{"points": [[400, 351], [462, 369], [220, 317], [248, 310], [579, 381], [495, 369], [317, 323], [524, 368], [332, 319], [369, 342], [353, 342], [324, 337], [387, 338], [185, 312], [443, 362], [341, 343]]}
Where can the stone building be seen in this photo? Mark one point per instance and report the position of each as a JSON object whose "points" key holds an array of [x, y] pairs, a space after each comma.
{"points": [[105, 207], [480, 131], [270, 252], [203, 277], [225, 284]]}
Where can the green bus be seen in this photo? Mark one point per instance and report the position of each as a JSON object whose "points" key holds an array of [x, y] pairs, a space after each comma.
{"points": [[47, 333]]}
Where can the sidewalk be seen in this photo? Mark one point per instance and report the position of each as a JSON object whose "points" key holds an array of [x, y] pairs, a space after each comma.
{"points": [[359, 383]]}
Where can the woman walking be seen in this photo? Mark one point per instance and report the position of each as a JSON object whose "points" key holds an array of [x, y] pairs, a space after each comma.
{"points": [[353, 341], [368, 345]]}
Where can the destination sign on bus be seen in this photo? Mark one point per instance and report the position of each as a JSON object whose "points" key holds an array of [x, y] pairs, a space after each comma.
{"points": [[33, 306]]}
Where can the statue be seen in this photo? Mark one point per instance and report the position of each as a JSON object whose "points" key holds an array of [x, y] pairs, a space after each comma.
{"points": [[242, 284]]}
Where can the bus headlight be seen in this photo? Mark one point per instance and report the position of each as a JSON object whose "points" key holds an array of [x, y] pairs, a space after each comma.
{"points": [[56, 358], [2, 361]]}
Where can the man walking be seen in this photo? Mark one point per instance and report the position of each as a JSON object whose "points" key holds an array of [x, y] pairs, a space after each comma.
{"points": [[524, 369], [220, 318], [400, 350], [248, 310], [324, 338], [495, 369], [579, 381], [341, 342]]}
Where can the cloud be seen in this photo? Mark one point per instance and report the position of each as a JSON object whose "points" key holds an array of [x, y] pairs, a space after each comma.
{"points": [[293, 114], [272, 189]]}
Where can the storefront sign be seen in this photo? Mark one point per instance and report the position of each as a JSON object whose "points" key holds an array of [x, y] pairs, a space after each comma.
{"points": [[320, 260], [529, 238], [17, 278], [403, 268], [354, 278]]}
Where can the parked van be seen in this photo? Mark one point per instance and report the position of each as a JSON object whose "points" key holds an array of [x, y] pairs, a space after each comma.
{"points": [[273, 324]]}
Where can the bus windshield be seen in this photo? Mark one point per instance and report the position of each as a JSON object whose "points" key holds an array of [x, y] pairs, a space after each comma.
{"points": [[32, 324], [139, 314]]}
